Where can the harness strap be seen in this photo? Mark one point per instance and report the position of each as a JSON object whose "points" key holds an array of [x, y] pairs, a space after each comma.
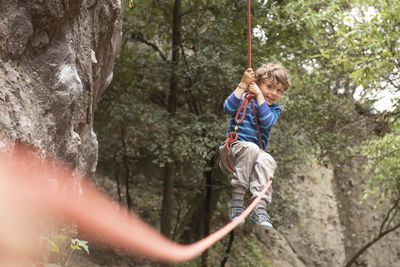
{"points": [[231, 138]]}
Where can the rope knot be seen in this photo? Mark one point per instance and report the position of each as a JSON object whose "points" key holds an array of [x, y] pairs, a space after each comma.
{"points": [[250, 96]]}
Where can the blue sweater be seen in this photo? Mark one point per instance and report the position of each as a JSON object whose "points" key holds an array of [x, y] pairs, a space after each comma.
{"points": [[267, 117]]}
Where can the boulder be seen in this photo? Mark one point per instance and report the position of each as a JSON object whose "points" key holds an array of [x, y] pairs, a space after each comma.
{"points": [[56, 59]]}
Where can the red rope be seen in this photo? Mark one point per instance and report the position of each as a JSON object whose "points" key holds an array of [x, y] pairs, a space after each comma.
{"points": [[248, 98], [249, 32], [232, 136]]}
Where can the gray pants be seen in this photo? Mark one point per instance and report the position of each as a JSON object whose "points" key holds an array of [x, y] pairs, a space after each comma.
{"points": [[253, 169]]}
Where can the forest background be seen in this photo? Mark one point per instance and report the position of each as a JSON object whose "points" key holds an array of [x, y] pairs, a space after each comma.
{"points": [[160, 122]]}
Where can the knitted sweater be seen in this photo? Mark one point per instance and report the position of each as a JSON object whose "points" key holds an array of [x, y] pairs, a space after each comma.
{"points": [[267, 117]]}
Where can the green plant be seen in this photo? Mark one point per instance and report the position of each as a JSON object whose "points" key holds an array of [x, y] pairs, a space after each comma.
{"points": [[61, 246]]}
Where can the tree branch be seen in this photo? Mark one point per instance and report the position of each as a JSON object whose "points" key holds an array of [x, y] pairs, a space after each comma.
{"points": [[391, 219], [370, 243], [228, 248], [197, 10], [388, 216], [139, 37], [197, 200]]}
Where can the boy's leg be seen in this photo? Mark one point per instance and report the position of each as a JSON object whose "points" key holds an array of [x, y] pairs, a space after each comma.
{"points": [[224, 156], [263, 171], [241, 158]]}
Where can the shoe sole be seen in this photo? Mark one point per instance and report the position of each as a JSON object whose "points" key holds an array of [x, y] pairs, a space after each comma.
{"points": [[240, 224], [266, 227]]}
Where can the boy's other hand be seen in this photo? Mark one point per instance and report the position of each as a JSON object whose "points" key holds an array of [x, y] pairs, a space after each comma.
{"points": [[248, 77], [253, 87]]}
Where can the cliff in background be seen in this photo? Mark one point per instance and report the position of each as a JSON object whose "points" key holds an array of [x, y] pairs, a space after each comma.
{"points": [[56, 59], [327, 223]]}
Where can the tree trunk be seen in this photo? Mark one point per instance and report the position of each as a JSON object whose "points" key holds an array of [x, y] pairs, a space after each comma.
{"points": [[207, 211], [127, 170], [228, 248], [176, 41], [171, 107], [116, 177], [199, 224], [167, 200]]}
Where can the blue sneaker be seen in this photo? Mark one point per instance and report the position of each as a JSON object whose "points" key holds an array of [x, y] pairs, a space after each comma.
{"points": [[260, 217], [236, 207]]}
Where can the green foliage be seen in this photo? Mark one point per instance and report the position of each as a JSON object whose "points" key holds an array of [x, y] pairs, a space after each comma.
{"points": [[77, 244], [255, 254], [383, 155], [62, 245], [365, 39], [59, 241], [138, 95], [247, 253]]}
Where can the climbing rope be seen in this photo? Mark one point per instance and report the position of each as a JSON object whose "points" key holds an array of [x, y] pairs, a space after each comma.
{"points": [[249, 33], [249, 96]]}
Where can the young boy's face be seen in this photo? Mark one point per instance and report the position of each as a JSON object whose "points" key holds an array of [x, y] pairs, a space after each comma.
{"points": [[271, 92]]}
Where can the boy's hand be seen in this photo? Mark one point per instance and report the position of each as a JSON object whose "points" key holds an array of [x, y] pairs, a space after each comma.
{"points": [[253, 87], [248, 78]]}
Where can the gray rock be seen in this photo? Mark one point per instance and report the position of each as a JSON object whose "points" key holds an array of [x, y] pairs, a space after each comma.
{"points": [[56, 59]]}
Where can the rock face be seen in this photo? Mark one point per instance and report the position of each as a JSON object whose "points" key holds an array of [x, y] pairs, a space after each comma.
{"points": [[313, 235], [327, 224], [56, 59], [315, 231], [361, 222]]}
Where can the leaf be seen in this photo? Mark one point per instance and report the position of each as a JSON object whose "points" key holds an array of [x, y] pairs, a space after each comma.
{"points": [[80, 244]]}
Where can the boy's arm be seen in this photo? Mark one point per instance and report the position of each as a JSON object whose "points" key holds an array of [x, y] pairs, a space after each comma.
{"points": [[268, 116], [232, 103], [248, 78], [239, 91]]}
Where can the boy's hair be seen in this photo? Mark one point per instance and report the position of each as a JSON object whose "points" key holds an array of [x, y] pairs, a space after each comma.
{"points": [[275, 72]]}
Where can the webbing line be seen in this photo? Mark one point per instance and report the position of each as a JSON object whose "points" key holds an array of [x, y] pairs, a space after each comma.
{"points": [[27, 198]]}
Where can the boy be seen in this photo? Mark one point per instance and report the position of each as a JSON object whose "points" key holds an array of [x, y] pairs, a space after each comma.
{"points": [[253, 166]]}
